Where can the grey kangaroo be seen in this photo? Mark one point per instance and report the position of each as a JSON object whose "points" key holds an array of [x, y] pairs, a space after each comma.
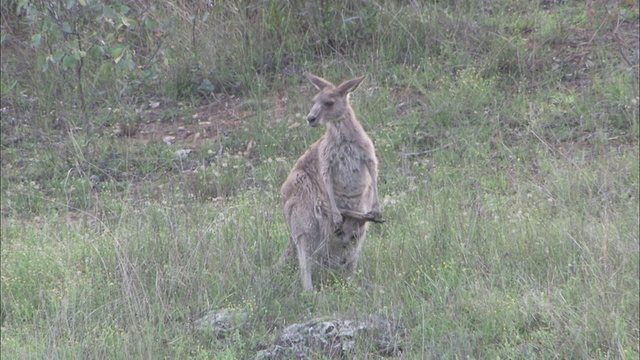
{"points": [[331, 194]]}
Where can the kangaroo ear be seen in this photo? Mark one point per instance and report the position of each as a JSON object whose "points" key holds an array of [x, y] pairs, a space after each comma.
{"points": [[317, 81], [350, 85]]}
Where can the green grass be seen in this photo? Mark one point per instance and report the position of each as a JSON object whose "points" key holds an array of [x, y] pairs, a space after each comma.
{"points": [[507, 135]]}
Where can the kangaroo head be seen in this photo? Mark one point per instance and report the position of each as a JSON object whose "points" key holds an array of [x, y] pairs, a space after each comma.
{"points": [[331, 104]]}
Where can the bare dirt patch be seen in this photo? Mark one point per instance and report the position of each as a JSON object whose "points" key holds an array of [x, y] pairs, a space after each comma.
{"points": [[188, 126]]}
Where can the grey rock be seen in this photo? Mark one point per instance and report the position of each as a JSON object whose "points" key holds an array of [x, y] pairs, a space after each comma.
{"points": [[337, 338], [222, 320]]}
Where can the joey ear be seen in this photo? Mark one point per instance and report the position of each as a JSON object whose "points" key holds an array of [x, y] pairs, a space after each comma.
{"points": [[317, 81], [349, 85]]}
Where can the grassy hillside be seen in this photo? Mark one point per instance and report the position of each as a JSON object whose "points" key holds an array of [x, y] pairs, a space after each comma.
{"points": [[143, 146]]}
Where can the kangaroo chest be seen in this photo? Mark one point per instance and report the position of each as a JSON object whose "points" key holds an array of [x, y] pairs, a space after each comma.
{"points": [[348, 167]]}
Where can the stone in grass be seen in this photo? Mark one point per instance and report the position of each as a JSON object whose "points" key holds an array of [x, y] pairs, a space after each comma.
{"points": [[336, 338], [222, 321], [182, 154]]}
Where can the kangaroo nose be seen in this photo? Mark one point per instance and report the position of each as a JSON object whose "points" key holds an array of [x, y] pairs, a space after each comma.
{"points": [[313, 121]]}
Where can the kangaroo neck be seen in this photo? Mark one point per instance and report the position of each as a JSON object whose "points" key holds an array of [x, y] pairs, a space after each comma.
{"points": [[345, 128]]}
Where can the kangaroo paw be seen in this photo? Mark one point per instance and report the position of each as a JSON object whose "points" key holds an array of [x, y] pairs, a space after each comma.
{"points": [[373, 216]]}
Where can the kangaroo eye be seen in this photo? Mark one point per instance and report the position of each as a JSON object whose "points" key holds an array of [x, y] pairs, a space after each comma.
{"points": [[328, 103]]}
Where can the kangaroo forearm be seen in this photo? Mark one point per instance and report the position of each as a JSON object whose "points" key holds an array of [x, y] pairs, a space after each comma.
{"points": [[357, 215]]}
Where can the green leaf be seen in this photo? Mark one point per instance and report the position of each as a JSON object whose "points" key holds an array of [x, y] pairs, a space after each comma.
{"points": [[42, 63], [108, 12], [96, 52], [75, 55], [125, 21], [58, 55], [206, 85], [109, 38], [35, 39], [132, 64], [66, 27], [105, 70], [116, 51], [46, 24], [69, 61], [150, 24], [125, 63], [57, 34]]}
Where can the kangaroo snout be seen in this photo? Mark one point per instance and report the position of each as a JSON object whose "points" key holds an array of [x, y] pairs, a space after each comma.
{"points": [[314, 115], [313, 121]]}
